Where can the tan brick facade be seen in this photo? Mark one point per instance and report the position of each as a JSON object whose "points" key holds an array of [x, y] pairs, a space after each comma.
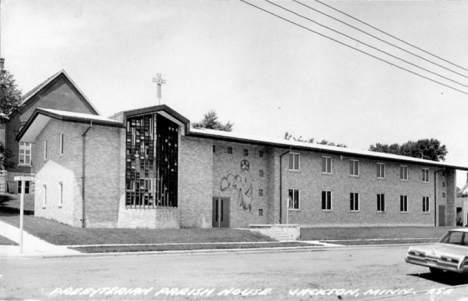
{"points": [[244, 174]]}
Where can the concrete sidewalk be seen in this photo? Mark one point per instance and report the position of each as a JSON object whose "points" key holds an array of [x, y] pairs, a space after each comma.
{"points": [[32, 246]]}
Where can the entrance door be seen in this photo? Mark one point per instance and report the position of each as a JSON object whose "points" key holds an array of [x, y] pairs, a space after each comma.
{"points": [[441, 215], [220, 212]]}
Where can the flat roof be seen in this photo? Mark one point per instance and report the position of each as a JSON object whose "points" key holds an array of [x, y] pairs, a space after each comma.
{"points": [[295, 145]]}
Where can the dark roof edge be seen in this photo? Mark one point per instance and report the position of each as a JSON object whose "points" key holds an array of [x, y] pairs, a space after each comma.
{"points": [[155, 109]]}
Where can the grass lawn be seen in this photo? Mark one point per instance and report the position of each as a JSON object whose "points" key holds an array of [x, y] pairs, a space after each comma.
{"points": [[61, 234], [6, 242], [191, 247], [360, 233]]}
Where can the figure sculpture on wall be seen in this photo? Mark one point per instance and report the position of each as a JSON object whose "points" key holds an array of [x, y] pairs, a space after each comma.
{"points": [[241, 182]]}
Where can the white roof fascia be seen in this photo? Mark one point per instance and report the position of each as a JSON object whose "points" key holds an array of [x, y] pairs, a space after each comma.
{"points": [[320, 147]]}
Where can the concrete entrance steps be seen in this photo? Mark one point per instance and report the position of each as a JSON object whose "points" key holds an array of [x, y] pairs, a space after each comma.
{"points": [[278, 232]]}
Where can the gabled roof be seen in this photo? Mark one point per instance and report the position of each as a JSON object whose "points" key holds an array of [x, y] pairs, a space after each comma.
{"points": [[41, 117], [163, 110], [294, 145], [28, 97]]}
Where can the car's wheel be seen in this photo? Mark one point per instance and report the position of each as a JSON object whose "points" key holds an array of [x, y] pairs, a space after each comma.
{"points": [[436, 271]]}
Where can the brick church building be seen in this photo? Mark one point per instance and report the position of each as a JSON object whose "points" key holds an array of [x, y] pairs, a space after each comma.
{"points": [[148, 168]]}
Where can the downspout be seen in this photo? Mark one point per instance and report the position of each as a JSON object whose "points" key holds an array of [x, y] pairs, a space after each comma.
{"points": [[83, 175], [435, 196], [281, 188]]}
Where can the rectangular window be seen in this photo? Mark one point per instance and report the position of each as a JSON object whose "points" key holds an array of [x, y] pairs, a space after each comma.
{"points": [[404, 173], [229, 150], [326, 200], [354, 168], [24, 153], [293, 161], [293, 199], [260, 212], [27, 187], [260, 173], [260, 154], [45, 149], [354, 201], [403, 203], [326, 165], [380, 171], [60, 194], [380, 202], [61, 143], [44, 196], [246, 152], [214, 148], [425, 175], [260, 192], [425, 204]]}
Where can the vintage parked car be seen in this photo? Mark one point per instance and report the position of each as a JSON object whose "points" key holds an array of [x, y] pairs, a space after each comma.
{"points": [[449, 254]]}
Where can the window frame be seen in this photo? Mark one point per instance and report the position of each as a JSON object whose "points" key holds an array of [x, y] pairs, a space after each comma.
{"points": [[403, 203], [44, 196], [381, 202], [426, 175], [291, 201], [426, 204], [327, 202], [45, 150], [404, 173], [354, 203], [27, 187], [354, 168], [381, 172], [60, 194], [327, 168], [61, 149], [25, 146], [294, 162]]}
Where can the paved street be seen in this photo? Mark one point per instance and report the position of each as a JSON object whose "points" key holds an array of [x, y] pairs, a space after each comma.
{"points": [[347, 274]]}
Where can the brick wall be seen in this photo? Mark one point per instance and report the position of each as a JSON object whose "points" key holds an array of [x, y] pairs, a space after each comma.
{"points": [[248, 186], [65, 169], [311, 182], [195, 182], [102, 174]]}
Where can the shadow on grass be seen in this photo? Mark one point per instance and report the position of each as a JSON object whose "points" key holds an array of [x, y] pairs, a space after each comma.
{"points": [[445, 278], [10, 211]]}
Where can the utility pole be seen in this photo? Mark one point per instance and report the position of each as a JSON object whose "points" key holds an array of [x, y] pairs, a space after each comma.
{"points": [[2, 60]]}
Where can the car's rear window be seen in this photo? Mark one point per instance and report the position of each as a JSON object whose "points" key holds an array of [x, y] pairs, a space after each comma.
{"points": [[455, 238]]}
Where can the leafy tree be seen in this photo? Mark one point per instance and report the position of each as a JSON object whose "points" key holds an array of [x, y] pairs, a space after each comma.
{"points": [[289, 136], [10, 99], [210, 121], [429, 149]]}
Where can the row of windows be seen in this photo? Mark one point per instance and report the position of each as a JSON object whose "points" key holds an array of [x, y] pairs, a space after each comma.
{"points": [[354, 169], [25, 151], [354, 204], [245, 151], [45, 196]]}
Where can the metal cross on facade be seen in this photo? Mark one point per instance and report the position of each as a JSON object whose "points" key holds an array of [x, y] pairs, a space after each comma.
{"points": [[159, 80]]}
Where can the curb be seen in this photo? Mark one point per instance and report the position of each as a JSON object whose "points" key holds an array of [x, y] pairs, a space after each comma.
{"points": [[212, 251]]}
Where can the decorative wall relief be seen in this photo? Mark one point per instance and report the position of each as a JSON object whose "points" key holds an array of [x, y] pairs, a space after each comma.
{"points": [[240, 183]]}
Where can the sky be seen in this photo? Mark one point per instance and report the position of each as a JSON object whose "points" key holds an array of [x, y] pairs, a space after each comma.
{"points": [[260, 72]]}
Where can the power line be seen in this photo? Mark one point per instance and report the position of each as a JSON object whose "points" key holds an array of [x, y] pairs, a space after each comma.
{"points": [[381, 31], [382, 40], [344, 44], [370, 46]]}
